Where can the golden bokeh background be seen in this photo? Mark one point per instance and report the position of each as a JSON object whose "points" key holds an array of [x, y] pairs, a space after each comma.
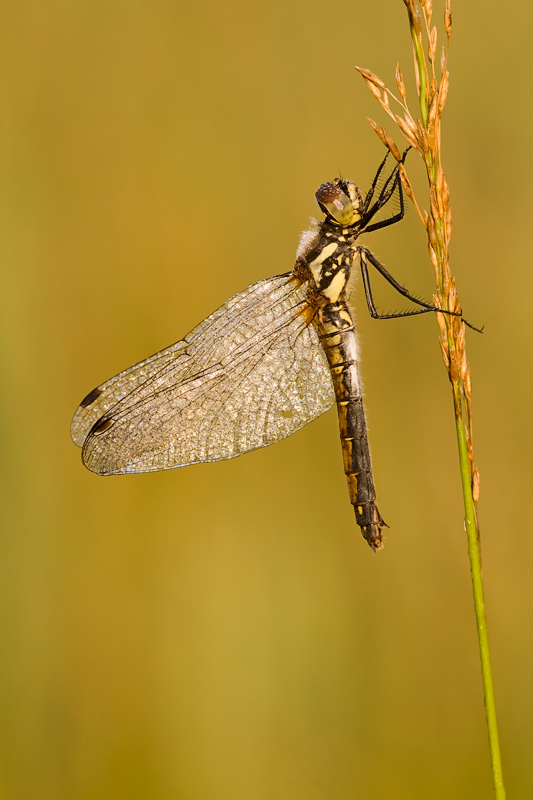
{"points": [[223, 632]]}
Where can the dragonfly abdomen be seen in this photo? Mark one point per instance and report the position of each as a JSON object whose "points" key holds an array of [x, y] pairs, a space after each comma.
{"points": [[340, 345]]}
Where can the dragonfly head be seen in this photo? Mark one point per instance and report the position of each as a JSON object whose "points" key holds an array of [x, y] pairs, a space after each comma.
{"points": [[340, 201]]}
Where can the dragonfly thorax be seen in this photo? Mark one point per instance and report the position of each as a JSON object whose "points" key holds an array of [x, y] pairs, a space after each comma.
{"points": [[329, 261]]}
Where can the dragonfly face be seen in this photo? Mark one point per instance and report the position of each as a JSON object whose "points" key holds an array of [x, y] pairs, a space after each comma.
{"points": [[268, 361]]}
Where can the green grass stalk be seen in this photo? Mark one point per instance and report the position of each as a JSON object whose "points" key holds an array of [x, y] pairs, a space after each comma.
{"points": [[474, 555], [424, 135]]}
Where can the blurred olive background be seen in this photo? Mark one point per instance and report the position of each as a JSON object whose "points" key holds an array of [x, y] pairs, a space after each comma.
{"points": [[223, 631]]}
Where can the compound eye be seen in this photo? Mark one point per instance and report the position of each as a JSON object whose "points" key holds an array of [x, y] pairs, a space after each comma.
{"points": [[335, 203]]}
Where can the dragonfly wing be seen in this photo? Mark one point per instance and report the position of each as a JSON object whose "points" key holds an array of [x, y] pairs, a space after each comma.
{"points": [[249, 375], [172, 363]]}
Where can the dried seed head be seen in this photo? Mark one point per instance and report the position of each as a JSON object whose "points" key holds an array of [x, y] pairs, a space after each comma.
{"points": [[443, 58], [437, 211], [448, 226], [422, 137], [432, 115], [417, 78], [467, 380], [475, 486], [374, 89], [452, 296], [460, 343], [433, 203], [444, 350], [386, 138], [465, 369], [431, 235], [444, 276], [427, 5], [410, 193], [416, 24], [406, 183], [434, 260], [443, 89], [409, 121], [381, 132], [440, 186], [448, 18], [431, 140], [432, 47], [441, 318], [370, 78], [391, 144], [408, 132], [454, 368], [400, 82]]}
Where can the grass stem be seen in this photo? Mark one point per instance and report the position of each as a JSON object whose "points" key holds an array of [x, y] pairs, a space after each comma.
{"points": [[424, 135]]}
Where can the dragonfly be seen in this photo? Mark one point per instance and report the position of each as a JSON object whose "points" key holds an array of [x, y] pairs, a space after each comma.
{"points": [[267, 362]]}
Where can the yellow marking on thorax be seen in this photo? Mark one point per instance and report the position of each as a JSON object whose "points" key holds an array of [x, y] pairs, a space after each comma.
{"points": [[336, 287], [316, 265]]}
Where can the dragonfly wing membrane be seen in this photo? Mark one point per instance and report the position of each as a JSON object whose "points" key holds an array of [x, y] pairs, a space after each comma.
{"points": [[174, 358], [249, 375], [105, 396]]}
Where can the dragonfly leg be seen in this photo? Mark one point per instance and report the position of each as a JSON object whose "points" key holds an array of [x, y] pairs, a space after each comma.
{"points": [[370, 193], [366, 254], [384, 197]]}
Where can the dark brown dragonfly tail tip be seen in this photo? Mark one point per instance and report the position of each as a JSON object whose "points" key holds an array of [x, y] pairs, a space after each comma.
{"points": [[373, 533]]}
